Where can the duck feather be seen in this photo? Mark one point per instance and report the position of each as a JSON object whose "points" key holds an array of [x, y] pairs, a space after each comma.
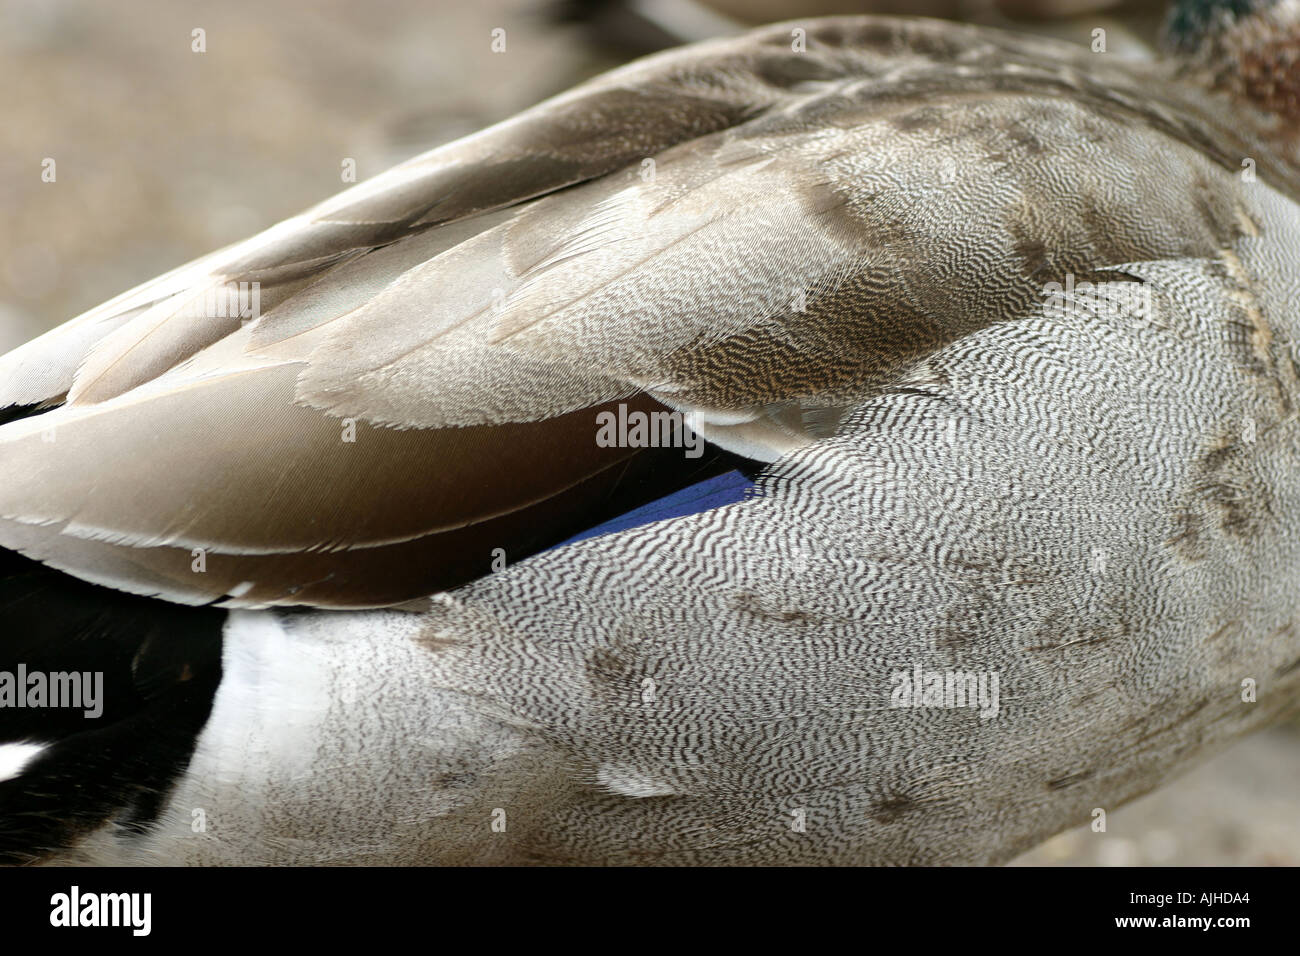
{"points": [[817, 225]]}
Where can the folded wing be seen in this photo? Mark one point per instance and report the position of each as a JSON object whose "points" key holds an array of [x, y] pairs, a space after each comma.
{"points": [[752, 237]]}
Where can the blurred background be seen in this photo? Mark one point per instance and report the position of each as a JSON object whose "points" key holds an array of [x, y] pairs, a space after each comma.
{"points": [[163, 154]]}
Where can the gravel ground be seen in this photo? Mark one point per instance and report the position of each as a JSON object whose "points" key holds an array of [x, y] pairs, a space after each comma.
{"points": [[164, 154], [1237, 809]]}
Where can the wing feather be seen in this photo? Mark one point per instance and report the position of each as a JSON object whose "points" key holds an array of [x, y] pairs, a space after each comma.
{"points": [[810, 227]]}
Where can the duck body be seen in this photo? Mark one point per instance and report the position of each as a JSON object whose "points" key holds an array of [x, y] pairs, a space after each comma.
{"points": [[1006, 339]]}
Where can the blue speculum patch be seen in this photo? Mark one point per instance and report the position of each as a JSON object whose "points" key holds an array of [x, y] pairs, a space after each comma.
{"points": [[724, 489]]}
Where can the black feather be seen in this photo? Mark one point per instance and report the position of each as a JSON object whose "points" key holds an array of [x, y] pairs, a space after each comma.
{"points": [[160, 666]]}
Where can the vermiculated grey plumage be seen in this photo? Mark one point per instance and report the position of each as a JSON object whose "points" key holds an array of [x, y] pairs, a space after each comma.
{"points": [[1091, 493]]}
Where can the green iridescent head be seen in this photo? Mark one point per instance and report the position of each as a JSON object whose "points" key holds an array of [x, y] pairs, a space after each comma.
{"points": [[1191, 23]]}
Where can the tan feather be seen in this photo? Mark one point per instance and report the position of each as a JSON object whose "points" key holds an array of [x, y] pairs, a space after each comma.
{"points": [[816, 225]]}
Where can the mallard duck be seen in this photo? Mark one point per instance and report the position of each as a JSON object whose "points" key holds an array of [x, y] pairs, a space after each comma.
{"points": [[867, 440]]}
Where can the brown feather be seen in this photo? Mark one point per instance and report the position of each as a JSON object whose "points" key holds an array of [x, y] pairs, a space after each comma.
{"points": [[817, 225]]}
